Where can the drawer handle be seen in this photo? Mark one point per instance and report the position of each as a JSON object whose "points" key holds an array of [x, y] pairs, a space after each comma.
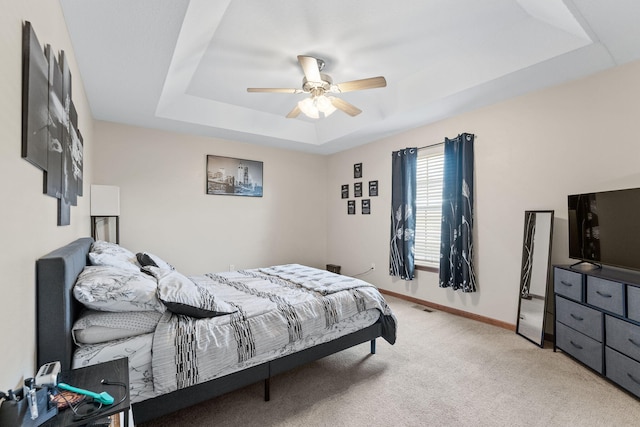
{"points": [[566, 283], [578, 318], [603, 294], [579, 347], [632, 378], [633, 342]]}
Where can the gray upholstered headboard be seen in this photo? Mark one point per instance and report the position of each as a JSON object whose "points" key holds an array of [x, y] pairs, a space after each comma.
{"points": [[57, 309]]}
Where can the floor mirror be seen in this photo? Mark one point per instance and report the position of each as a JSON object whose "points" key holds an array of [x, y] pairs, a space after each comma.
{"points": [[535, 272]]}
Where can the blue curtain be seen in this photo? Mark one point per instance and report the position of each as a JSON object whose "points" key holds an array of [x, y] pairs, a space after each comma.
{"points": [[403, 208], [456, 233]]}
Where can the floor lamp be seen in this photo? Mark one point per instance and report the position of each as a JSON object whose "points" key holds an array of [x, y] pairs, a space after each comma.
{"points": [[105, 206]]}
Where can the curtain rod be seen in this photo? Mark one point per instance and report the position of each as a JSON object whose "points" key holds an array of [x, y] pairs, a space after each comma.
{"points": [[431, 145], [440, 143]]}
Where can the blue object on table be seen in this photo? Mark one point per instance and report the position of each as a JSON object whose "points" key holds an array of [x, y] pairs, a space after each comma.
{"points": [[104, 397]]}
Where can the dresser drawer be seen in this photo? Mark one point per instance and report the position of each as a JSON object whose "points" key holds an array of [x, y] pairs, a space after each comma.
{"points": [[623, 371], [585, 349], [579, 317], [567, 283], [605, 294], [633, 303], [623, 336]]}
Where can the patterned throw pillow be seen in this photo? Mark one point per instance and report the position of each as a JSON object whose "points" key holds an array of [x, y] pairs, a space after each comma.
{"points": [[112, 254], [183, 296], [108, 288]]}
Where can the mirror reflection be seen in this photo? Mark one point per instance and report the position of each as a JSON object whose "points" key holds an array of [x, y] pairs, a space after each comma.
{"points": [[534, 279]]}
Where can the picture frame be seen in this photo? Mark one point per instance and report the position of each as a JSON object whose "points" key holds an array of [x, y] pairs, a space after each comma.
{"points": [[366, 206], [357, 170], [351, 207], [231, 176], [345, 191], [373, 188], [357, 189]]}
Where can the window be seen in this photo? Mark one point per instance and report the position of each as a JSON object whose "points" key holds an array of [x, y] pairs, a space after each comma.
{"points": [[429, 176]]}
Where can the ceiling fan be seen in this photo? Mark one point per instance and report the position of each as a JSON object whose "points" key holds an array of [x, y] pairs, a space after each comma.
{"points": [[319, 85]]}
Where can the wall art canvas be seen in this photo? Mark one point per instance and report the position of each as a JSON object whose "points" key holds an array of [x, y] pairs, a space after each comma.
{"points": [[78, 160], [69, 188], [357, 189], [357, 170], [366, 206], [35, 99], [234, 177], [51, 139], [351, 207], [345, 191], [373, 188], [53, 174]]}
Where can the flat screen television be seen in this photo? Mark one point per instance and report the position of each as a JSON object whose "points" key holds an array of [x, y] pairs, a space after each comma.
{"points": [[604, 228]]}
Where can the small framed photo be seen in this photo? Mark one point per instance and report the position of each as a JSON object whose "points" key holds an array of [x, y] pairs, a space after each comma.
{"points": [[357, 189], [373, 188], [357, 170], [345, 191], [351, 207], [366, 206]]}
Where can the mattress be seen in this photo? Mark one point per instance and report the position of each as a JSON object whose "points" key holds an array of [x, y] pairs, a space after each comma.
{"points": [[137, 349]]}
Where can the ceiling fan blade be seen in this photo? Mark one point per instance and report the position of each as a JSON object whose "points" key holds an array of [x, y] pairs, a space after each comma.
{"points": [[273, 89], [310, 68], [294, 113], [370, 83], [343, 105]]}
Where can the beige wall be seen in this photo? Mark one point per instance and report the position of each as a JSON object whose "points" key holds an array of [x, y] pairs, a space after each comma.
{"points": [[530, 153], [164, 208], [28, 218]]}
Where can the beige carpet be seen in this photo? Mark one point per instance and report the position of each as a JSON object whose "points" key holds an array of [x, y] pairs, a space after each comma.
{"points": [[444, 370]]}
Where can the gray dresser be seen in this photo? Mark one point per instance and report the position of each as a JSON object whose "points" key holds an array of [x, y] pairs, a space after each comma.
{"points": [[597, 321]]}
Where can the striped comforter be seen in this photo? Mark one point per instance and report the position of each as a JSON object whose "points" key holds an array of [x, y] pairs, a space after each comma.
{"points": [[280, 310]]}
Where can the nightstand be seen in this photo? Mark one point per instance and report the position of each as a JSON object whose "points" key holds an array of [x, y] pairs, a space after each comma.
{"points": [[116, 373]]}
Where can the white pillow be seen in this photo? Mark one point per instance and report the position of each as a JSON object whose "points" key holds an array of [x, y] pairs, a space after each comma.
{"points": [[94, 327], [108, 288], [112, 254]]}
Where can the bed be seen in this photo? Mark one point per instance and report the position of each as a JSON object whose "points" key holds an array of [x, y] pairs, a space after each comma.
{"points": [[170, 380]]}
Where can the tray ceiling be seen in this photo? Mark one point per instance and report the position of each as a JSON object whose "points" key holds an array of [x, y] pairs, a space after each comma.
{"points": [[184, 66]]}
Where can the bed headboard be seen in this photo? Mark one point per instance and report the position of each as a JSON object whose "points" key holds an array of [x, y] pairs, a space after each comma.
{"points": [[56, 307]]}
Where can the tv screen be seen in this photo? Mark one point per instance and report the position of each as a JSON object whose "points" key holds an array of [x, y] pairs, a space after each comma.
{"points": [[604, 228]]}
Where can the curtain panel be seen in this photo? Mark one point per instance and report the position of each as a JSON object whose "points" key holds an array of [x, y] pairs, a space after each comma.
{"points": [[456, 233], [403, 208]]}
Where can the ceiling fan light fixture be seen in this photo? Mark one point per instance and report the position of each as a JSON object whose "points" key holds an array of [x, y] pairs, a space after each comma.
{"points": [[314, 105], [309, 110], [325, 105]]}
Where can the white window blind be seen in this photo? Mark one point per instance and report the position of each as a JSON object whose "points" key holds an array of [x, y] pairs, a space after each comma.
{"points": [[429, 175]]}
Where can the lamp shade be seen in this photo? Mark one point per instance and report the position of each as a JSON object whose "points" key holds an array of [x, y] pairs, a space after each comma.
{"points": [[105, 200]]}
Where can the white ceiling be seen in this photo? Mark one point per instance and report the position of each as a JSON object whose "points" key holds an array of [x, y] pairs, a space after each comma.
{"points": [[185, 65]]}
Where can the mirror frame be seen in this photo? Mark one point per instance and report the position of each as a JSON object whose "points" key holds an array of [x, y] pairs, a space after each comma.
{"points": [[527, 267]]}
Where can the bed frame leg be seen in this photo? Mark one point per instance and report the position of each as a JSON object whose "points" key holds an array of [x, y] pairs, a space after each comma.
{"points": [[373, 346], [267, 394]]}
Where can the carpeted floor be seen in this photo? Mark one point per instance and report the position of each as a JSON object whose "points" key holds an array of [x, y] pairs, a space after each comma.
{"points": [[444, 370]]}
